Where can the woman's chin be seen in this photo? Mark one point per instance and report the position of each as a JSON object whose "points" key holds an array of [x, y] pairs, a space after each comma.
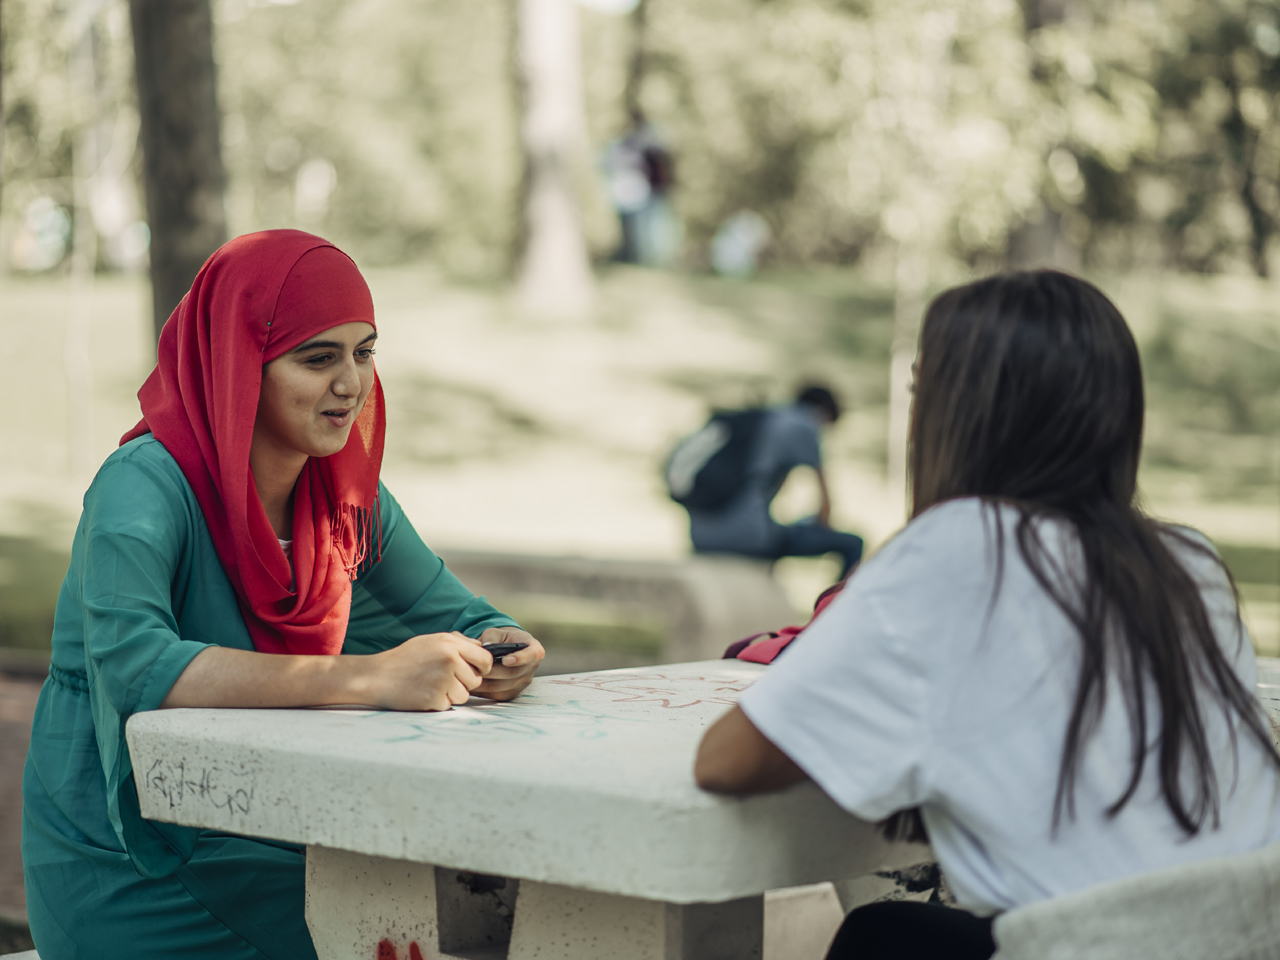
{"points": [[328, 446]]}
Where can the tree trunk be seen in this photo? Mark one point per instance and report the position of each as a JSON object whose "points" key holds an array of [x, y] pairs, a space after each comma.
{"points": [[555, 274], [181, 145], [1, 96], [1042, 243], [85, 81], [638, 62]]}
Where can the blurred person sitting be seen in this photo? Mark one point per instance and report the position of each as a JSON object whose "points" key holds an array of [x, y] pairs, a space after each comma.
{"points": [[1054, 689], [728, 474], [237, 550]]}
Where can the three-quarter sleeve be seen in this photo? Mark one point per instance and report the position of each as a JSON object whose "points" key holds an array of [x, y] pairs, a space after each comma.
{"points": [[409, 591], [132, 540]]}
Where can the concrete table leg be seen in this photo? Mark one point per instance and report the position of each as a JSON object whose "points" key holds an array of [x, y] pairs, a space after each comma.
{"points": [[372, 908], [564, 923]]}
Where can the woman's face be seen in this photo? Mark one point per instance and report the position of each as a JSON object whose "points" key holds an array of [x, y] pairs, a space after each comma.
{"points": [[312, 395]]}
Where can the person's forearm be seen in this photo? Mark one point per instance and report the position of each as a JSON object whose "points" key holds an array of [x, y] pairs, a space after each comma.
{"points": [[227, 677], [736, 758]]}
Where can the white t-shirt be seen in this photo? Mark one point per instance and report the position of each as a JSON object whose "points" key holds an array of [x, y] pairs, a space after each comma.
{"points": [[287, 547], [903, 693]]}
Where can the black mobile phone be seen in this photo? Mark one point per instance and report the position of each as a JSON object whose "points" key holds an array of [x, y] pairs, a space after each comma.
{"points": [[500, 650]]}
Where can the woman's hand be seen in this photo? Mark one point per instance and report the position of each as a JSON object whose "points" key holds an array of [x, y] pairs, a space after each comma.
{"points": [[432, 671], [515, 672]]}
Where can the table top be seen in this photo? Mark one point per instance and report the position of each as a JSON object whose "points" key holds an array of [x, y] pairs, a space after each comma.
{"points": [[586, 780]]}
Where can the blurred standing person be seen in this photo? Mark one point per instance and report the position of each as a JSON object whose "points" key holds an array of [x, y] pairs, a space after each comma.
{"points": [[747, 456], [639, 174]]}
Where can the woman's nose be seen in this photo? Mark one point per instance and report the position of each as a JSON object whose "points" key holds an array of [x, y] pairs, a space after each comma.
{"points": [[347, 381]]}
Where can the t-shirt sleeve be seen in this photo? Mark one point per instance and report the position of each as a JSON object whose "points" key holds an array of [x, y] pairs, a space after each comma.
{"points": [[410, 591], [848, 701], [800, 443], [133, 536]]}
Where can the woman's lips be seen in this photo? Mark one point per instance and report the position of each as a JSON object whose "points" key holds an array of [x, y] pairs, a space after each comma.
{"points": [[336, 418]]}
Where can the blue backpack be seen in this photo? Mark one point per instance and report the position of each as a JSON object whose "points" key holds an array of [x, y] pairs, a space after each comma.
{"points": [[707, 469]]}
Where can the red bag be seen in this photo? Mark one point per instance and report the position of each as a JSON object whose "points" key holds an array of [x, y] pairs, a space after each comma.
{"points": [[755, 650]]}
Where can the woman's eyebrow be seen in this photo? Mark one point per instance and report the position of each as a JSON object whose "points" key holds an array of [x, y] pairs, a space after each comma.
{"points": [[331, 344]]}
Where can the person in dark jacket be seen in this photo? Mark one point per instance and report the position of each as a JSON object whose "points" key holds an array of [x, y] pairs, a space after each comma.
{"points": [[790, 436]]}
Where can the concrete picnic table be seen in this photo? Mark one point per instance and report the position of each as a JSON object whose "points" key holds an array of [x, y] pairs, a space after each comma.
{"points": [[564, 825]]}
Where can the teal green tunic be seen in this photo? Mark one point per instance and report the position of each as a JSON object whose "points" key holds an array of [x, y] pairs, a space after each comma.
{"points": [[145, 593]]}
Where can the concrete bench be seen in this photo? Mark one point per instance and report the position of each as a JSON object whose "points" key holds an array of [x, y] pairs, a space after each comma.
{"points": [[1223, 909], [698, 605]]}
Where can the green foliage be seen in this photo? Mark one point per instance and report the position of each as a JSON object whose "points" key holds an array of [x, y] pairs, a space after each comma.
{"points": [[843, 124], [41, 113], [411, 102], [1147, 128], [1186, 172]]}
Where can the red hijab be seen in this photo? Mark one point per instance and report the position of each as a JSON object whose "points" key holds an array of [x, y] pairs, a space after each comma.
{"points": [[255, 299]]}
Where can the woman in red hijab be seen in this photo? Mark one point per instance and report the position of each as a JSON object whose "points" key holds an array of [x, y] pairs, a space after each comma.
{"points": [[237, 550]]}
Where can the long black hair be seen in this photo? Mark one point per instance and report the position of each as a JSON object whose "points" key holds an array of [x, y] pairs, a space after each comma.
{"points": [[1029, 393]]}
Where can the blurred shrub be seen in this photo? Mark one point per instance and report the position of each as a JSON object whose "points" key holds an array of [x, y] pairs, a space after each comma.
{"points": [[31, 575]]}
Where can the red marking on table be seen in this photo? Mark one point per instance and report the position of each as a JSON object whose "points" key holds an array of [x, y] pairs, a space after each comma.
{"points": [[387, 951]]}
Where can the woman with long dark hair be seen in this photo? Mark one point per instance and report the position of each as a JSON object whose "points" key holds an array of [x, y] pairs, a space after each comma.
{"points": [[1053, 685], [237, 550]]}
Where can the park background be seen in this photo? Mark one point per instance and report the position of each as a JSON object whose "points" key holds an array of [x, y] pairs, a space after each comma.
{"points": [[879, 150]]}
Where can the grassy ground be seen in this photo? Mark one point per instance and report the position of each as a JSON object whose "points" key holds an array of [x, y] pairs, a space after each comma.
{"points": [[542, 438]]}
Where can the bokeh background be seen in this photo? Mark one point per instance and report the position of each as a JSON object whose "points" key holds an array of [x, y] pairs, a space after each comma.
{"points": [[833, 163]]}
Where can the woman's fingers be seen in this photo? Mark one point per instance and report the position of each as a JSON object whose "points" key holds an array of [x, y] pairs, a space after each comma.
{"points": [[458, 693], [475, 656], [503, 689], [439, 670], [520, 662]]}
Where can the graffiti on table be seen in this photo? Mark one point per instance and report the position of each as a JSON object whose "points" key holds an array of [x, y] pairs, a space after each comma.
{"points": [[524, 719], [669, 692], [604, 701], [229, 790]]}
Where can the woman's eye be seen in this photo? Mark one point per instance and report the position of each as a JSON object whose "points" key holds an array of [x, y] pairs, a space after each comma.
{"points": [[320, 359], [364, 353]]}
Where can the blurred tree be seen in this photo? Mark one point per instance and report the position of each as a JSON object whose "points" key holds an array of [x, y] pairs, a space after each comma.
{"points": [[1170, 154], [2, 62], [1142, 133], [636, 60], [1039, 240], [1221, 79], [181, 143], [555, 276], [827, 118], [403, 112], [39, 121]]}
